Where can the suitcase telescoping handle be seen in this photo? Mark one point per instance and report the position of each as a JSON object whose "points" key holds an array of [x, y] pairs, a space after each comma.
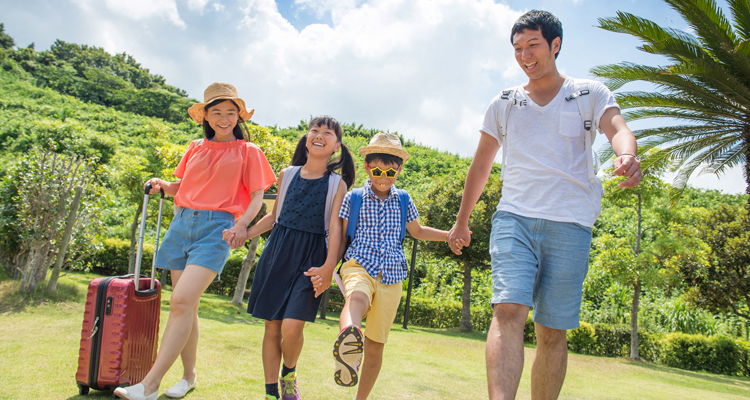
{"points": [[144, 215]]}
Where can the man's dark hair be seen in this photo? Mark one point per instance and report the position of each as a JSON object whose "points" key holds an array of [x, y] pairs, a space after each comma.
{"points": [[537, 20], [387, 159]]}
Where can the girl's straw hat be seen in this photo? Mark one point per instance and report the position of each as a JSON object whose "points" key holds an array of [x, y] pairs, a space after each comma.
{"points": [[385, 143], [219, 91]]}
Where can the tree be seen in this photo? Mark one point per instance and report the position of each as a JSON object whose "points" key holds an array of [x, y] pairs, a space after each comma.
{"points": [[439, 207], [723, 284], [6, 42], [643, 247], [45, 181], [706, 86]]}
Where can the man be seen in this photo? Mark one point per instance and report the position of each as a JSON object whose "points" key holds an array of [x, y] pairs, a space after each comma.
{"points": [[541, 233]]}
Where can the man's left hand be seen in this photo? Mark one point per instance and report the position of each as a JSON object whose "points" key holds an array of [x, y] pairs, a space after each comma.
{"points": [[628, 166]]}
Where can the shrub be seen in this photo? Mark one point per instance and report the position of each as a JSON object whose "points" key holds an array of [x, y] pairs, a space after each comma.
{"points": [[717, 354], [744, 360], [230, 274], [612, 340], [434, 313], [582, 339], [111, 258], [529, 331]]}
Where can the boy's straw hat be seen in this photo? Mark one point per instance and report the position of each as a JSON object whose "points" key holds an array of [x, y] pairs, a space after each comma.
{"points": [[219, 91], [385, 143]]}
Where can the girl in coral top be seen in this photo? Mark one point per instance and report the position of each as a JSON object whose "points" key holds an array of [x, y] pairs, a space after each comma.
{"points": [[221, 185]]}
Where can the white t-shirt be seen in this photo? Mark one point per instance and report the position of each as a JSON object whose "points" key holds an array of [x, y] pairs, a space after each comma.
{"points": [[546, 174]]}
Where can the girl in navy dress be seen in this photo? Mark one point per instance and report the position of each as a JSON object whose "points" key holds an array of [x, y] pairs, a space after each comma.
{"points": [[295, 253]]}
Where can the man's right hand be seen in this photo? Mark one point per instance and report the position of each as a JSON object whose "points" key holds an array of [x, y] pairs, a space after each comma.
{"points": [[459, 237]]}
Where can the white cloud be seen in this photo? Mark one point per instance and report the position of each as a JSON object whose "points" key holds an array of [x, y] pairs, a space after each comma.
{"points": [[143, 9], [417, 67], [320, 7], [197, 5], [218, 7]]}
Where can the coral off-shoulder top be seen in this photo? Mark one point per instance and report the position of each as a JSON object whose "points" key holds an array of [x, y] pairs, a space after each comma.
{"points": [[221, 175]]}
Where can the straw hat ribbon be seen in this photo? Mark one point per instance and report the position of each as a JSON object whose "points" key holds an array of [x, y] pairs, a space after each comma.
{"points": [[219, 91], [385, 143]]}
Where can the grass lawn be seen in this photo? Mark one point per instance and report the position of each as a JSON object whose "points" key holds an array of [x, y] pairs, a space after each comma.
{"points": [[39, 354]]}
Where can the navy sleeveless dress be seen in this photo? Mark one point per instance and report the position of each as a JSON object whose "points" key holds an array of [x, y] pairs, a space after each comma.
{"points": [[297, 243]]}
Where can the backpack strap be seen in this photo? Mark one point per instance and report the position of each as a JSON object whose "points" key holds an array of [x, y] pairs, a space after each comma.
{"points": [[333, 185], [288, 176], [404, 198], [586, 110], [507, 101], [355, 203]]}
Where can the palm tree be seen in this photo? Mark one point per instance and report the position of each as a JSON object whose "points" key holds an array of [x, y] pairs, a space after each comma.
{"points": [[705, 87]]}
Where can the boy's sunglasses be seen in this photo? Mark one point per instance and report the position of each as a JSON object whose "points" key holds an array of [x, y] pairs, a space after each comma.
{"points": [[389, 173]]}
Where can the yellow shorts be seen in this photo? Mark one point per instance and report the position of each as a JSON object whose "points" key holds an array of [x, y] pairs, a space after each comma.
{"points": [[384, 299]]}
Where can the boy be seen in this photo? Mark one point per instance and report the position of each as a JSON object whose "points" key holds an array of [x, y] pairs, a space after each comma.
{"points": [[375, 264]]}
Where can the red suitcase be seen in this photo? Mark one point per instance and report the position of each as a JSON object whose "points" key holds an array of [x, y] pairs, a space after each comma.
{"points": [[120, 325]]}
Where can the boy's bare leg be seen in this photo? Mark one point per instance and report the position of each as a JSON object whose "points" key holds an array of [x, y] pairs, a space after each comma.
{"points": [[504, 350], [550, 363], [355, 308], [370, 367]]}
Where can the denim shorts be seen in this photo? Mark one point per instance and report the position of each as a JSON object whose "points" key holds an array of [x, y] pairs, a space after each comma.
{"points": [[194, 238], [541, 264]]}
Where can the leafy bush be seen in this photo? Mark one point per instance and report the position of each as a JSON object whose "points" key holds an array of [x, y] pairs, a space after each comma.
{"points": [[230, 274], [717, 354], [744, 360], [434, 313], [611, 340], [529, 330], [582, 339], [111, 258]]}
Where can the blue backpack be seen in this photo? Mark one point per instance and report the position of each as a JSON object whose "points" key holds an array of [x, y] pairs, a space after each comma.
{"points": [[355, 203]]}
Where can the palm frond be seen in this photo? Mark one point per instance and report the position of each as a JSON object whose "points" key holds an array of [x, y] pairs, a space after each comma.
{"points": [[695, 103], [708, 21], [685, 115], [733, 157], [741, 15], [643, 28], [617, 75], [685, 169], [714, 31]]}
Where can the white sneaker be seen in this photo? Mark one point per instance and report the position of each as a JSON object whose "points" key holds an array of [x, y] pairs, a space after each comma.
{"points": [[135, 392], [181, 389]]}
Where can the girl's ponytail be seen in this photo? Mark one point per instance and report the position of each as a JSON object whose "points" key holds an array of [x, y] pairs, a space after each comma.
{"points": [[300, 153], [345, 162]]}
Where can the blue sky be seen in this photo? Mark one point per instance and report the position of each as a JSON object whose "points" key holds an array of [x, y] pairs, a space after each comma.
{"points": [[424, 68]]}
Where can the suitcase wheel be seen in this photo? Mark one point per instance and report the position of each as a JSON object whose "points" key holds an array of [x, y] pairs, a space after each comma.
{"points": [[83, 389]]}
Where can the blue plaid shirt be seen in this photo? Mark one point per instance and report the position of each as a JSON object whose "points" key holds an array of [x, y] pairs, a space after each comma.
{"points": [[376, 242]]}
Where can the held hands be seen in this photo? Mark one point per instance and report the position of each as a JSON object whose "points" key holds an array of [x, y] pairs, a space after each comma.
{"points": [[459, 237], [236, 236], [320, 278], [628, 166]]}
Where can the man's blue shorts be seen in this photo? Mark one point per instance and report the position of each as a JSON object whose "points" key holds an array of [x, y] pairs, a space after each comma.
{"points": [[195, 238], [542, 264]]}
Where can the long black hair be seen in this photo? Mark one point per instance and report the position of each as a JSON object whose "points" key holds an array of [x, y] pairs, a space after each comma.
{"points": [[344, 161], [239, 130]]}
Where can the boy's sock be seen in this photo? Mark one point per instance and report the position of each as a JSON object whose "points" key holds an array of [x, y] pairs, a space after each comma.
{"points": [[272, 389], [285, 371]]}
